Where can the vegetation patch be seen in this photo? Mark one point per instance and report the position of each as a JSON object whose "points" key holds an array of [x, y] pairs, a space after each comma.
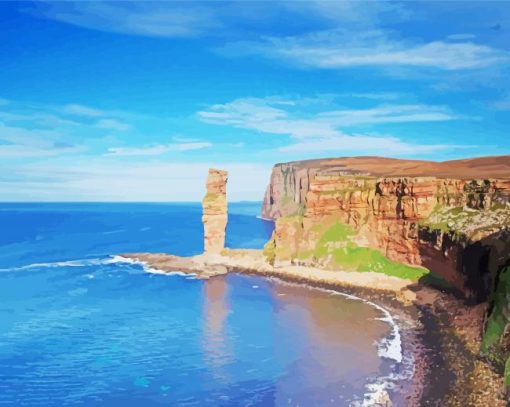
{"points": [[466, 220], [507, 372], [497, 320], [269, 251], [290, 207], [336, 246]]}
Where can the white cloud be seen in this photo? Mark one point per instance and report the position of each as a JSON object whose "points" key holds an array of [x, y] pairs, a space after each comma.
{"points": [[322, 131], [35, 130], [80, 110], [113, 124], [192, 19], [349, 12], [461, 37], [157, 149], [15, 151], [502, 104], [362, 40], [19, 142], [193, 146], [388, 114], [345, 144], [375, 95], [267, 116], [253, 114], [339, 48], [156, 19]]}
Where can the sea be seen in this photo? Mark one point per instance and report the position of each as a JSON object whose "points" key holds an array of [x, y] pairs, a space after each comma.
{"points": [[82, 326]]}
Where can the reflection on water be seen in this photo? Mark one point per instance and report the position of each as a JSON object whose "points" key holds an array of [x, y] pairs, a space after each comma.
{"points": [[337, 339], [81, 330], [217, 350], [128, 338]]}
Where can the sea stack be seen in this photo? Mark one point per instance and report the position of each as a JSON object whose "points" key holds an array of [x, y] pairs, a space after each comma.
{"points": [[214, 211]]}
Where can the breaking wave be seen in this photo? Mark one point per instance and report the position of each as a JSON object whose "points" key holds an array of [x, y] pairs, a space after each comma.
{"points": [[72, 263]]}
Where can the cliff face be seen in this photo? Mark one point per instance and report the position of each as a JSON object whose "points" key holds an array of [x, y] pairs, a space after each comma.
{"points": [[445, 224], [214, 206], [451, 218]]}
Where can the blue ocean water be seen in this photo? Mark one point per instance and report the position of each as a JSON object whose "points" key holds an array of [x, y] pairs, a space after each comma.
{"points": [[80, 327]]}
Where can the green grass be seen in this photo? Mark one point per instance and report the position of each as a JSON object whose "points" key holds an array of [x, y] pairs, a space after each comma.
{"points": [[497, 321], [507, 372], [339, 232], [352, 257], [269, 251], [498, 206]]}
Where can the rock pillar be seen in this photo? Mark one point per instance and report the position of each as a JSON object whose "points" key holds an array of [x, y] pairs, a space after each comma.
{"points": [[214, 211]]}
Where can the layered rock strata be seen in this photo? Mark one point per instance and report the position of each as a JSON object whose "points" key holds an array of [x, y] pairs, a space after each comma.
{"points": [[451, 217], [445, 224], [214, 206]]}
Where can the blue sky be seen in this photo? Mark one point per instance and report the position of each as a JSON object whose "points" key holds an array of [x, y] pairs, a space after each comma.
{"points": [[107, 101]]}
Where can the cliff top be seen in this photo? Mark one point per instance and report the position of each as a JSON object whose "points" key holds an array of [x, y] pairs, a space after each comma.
{"points": [[482, 167]]}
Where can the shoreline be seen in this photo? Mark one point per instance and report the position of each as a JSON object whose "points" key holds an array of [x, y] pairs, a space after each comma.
{"points": [[437, 330]]}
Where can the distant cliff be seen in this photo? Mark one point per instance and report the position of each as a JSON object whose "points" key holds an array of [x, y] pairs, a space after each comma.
{"points": [[399, 217]]}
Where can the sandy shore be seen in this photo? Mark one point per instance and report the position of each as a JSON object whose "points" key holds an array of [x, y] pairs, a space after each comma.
{"points": [[439, 332]]}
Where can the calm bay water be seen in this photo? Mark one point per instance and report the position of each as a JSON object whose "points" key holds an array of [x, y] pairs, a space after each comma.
{"points": [[78, 327]]}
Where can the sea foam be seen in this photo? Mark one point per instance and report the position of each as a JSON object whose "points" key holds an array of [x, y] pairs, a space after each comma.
{"points": [[390, 348], [73, 263]]}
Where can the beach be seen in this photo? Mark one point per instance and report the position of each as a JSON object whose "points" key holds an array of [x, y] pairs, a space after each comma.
{"points": [[440, 335]]}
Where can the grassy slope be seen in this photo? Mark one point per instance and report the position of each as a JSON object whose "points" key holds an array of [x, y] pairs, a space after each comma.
{"points": [[335, 242], [496, 324]]}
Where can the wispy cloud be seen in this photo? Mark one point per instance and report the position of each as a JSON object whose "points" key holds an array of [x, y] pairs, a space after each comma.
{"points": [[363, 39], [349, 144], [324, 131], [113, 124], [461, 37], [37, 130], [15, 151], [337, 49], [157, 149], [81, 110], [375, 95], [200, 18], [502, 104], [388, 114], [266, 115], [155, 19], [19, 142]]}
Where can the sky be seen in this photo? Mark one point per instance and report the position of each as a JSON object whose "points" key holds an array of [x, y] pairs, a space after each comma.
{"points": [[116, 101]]}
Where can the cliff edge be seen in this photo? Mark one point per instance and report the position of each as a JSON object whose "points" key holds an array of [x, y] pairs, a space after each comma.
{"points": [[439, 223]]}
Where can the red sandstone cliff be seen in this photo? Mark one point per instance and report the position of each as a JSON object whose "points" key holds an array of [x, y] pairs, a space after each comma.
{"points": [[445, 216]]}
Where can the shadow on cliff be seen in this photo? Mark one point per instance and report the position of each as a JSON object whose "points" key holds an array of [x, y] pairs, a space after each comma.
{"points": [[465, 268]]}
